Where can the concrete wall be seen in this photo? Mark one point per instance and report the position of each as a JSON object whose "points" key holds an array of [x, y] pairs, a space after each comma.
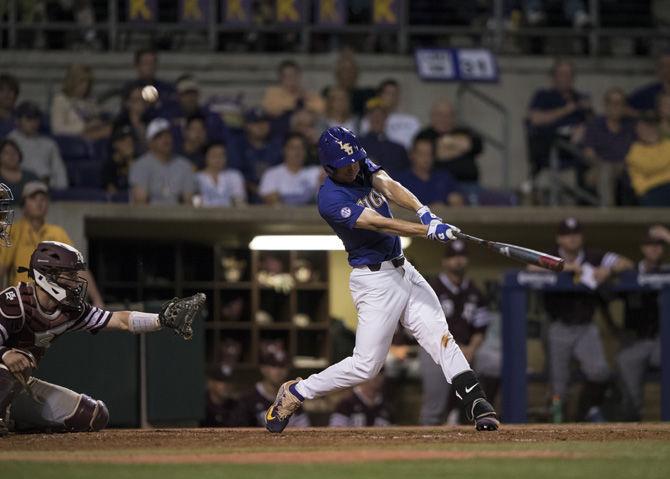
{"points": [[41, 73]]}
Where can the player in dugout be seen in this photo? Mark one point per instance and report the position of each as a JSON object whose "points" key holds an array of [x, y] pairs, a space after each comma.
{"points": [[573, 332], [50, 304]]}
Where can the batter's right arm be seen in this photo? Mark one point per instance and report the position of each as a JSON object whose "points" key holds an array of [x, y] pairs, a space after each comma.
{"points": [[371, 220]]}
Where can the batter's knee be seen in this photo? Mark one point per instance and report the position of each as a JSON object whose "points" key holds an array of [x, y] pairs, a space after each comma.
{"points": [[89, 415], [366, 370]]}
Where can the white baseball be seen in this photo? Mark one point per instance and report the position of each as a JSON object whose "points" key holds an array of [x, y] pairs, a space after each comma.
{"points": [[149, 93]]}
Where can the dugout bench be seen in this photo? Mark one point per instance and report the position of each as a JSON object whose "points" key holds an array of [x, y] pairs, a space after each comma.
{"points": [[514, 301]]}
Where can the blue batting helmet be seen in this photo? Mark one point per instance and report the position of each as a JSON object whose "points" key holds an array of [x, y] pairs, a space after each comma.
{"points": [[339, 147]]}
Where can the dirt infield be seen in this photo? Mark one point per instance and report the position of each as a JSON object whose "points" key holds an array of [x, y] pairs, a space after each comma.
{"points": [[243, 446]]}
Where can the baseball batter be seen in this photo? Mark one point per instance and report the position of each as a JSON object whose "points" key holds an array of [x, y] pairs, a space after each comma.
{"points": [[385, 287], [34, 314]]}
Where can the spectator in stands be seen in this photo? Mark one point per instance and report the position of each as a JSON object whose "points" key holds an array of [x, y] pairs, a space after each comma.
{"points": [[574, 10], [606, 143], [291, 182], [663, 112], [400, 127], [195, 141], [73, 110], [116, 169], [642, 319], [146, 67], [11, 172], [221, 405], [468, 317], [134, 113], [189, 104], [572, 332], [559, 111], [648, 163], [255, 152], [9, 92], [218, 185], [456, 147], [32, 229], [309, 125], [40, 153], [644, 98], [274, 367], [365, 406], [390, 155], [346, 77], [290, 95], [338, 110], [159, 176], [430, 187]]}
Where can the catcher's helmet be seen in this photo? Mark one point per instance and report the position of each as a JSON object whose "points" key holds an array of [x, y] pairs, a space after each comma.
{"points": [[339, 147], [55, 266], [6, 214]]}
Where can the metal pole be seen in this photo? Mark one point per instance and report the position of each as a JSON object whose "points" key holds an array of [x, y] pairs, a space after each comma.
{"points": [[505, 152], [11, 40], [144, 415], [664, 299], [112, 23], [403, 33], [305, 30], [555, 169], [212, 34], [499, 30], [514, 381], [594, 35]]}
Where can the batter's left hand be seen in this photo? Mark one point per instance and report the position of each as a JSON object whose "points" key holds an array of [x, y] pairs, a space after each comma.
{"points": [[426, 216]]}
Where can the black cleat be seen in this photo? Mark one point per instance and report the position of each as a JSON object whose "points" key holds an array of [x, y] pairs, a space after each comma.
{"points": [[483, 415]]}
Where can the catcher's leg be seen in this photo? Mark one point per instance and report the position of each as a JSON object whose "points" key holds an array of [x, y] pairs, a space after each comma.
{"points": [[9, 386], [55, 408]]}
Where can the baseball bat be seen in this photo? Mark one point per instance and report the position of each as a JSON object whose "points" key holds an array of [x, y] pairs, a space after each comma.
{"points": [[525, 255]]}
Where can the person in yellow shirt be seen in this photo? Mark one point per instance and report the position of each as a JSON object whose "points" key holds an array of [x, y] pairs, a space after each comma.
{"points": [[31, 230], [648, 164]]}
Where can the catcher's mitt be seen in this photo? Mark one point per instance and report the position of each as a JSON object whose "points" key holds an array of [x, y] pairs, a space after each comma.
{"points": [[178, 314]]}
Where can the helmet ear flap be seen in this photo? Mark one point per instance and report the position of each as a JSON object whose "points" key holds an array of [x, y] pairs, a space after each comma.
{"points": [[329, 169]]}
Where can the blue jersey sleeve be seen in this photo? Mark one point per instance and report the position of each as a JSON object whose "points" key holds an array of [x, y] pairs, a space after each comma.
{"points": [[339, 210], [369, 168]]}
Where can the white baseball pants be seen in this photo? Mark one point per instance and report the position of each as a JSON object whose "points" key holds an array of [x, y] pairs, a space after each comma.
{"points": [[383, 298]]}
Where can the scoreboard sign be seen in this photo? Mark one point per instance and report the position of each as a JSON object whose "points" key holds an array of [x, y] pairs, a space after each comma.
{"points": [[452, 64]]}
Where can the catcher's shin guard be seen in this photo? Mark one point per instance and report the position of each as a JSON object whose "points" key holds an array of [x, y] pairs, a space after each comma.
{"points": [[477, 408], [89, 415]]}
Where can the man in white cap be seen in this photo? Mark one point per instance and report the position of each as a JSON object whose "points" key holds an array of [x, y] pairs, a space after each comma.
{"points": [[159, 176]]}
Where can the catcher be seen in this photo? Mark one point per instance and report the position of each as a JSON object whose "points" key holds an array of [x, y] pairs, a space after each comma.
{"points": [[34, 314]]}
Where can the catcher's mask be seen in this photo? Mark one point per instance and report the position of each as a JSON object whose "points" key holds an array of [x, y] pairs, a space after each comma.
{"points": [[55, 268], [6, 214]]}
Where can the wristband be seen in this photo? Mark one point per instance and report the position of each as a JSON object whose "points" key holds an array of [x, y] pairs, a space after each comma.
{"points": [[143, 322]]}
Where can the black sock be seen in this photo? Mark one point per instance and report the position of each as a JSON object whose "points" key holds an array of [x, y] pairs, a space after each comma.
{"points": [[467, 389]]}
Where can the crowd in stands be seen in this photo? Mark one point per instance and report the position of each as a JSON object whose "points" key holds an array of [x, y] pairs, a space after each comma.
{"points": [[174, 147], [621, 155]]}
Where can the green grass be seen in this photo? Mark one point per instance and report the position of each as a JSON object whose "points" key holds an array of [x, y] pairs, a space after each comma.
{"points": [[607, 460]]}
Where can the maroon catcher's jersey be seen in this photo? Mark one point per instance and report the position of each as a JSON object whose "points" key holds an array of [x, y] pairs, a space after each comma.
{"points": [[464, 307], [24, 325]]}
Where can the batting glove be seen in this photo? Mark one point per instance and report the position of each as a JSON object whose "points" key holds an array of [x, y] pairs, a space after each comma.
{"points": [[443, 232], [426, 216]]}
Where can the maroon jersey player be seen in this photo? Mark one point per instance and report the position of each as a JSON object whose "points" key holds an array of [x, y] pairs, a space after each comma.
{"points": [[34, 314]]}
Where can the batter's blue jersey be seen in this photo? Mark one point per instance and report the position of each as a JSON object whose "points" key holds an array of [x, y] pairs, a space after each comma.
{"points": [[341, 205]]}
